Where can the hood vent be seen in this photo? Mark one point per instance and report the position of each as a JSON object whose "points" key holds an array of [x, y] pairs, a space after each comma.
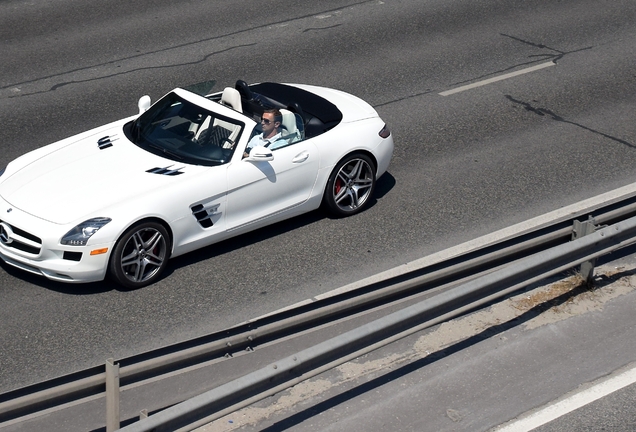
{"points": [[166, 171], [105, 142]]}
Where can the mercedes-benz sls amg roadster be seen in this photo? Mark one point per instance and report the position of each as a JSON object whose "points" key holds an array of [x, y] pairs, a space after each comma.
{"points": [[122, 199]]}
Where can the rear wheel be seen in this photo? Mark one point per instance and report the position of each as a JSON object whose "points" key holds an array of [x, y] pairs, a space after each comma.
{"points": [[140, 255], [350, 185]]}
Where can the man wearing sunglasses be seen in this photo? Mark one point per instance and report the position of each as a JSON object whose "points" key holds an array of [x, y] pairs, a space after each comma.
{"points": [[271, 136]]}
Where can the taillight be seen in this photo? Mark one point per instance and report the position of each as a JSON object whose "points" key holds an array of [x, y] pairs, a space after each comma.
{"points": [[385, 132]]}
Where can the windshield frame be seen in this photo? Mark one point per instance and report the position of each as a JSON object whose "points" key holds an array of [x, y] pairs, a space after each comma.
{"points": [[175, 128]]}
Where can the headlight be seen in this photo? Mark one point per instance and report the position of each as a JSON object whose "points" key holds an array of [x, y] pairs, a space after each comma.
{"points": [[79, 235], [2, 171]]}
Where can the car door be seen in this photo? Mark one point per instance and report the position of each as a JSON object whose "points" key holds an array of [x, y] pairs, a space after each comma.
{"points": [[259, 189]]}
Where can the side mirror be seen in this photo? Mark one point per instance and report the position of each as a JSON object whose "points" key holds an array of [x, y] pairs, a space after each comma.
{"points": [[143, 104], [259, 154]]}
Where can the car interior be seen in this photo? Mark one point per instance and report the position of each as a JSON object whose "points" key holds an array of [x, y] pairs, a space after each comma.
{"points": [[313, 114]]}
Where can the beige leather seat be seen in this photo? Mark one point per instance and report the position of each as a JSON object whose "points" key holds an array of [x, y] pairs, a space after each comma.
{"points": [[232, 98], [290, 130]]}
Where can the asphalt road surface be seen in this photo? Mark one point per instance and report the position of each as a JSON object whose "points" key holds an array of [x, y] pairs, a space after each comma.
{"points": [[466, 163]]}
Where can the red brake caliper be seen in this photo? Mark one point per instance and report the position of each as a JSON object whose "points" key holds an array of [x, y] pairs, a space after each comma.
{"points": [[338, 186]]}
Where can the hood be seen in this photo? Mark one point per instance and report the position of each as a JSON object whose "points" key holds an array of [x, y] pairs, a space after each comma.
{"points": [[87, 176]]}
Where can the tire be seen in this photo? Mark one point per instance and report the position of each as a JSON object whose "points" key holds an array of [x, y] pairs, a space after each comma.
{"points": [[140, 255], [350, 185]]}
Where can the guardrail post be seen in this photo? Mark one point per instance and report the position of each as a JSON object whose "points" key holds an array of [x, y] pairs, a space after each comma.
{"points": [[586, 270], [112, 396]]}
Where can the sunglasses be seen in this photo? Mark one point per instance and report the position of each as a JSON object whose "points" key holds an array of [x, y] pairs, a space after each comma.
{"points": [[266, 121]]}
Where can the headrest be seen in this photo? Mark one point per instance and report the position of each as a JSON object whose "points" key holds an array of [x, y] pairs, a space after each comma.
{"points": [[231, 97]]}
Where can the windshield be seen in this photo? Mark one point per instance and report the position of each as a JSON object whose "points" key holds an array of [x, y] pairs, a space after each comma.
{"points": [[182, 131]]}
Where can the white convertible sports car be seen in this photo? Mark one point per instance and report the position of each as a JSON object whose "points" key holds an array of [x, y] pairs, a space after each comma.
{"points": [[120, 200]]}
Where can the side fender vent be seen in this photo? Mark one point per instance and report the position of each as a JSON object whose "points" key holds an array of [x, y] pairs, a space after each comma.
{"points": [[205, 213], [166, 171]]}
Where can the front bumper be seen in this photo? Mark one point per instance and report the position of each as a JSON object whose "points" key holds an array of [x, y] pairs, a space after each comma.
{"points": [[32, 244]]}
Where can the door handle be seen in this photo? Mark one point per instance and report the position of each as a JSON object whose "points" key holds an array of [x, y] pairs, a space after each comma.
{"points": [[301, 157]]}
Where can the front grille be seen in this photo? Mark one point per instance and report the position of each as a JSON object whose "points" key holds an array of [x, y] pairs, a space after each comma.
{"points": [[18, 239]]}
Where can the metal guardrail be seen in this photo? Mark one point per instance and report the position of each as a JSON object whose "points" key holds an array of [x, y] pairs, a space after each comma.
{"points": [[306, 363], [91, 382]]}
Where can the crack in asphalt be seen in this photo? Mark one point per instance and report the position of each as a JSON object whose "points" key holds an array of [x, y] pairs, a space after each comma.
{"points": [[63, 84], [554, 57], [536, 58], [162, 50], [428, 91], [554, 116], [202, 60]]}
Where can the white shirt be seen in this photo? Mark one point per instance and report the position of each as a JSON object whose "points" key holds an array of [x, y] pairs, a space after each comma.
{"points": [[271, 143]]}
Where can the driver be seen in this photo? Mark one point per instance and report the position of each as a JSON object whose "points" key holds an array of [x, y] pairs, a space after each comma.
{"points": [[271, 136]]}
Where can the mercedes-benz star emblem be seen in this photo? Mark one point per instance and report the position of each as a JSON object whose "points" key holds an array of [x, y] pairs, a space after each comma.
{"points": [[5, 233]]}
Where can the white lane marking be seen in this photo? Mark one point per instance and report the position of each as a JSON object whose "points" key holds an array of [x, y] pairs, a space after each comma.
{"points": [[571, 403], [498, 78]]}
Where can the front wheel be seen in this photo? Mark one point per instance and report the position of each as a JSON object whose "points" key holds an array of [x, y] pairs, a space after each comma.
{"points": [[140, 255], [350, 185]]}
